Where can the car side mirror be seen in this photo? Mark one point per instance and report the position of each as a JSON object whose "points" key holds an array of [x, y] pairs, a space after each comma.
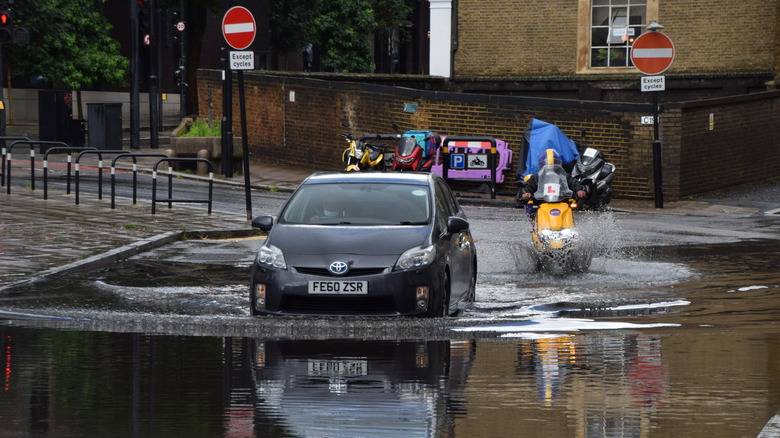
{"points": [[456, 224], [263, 223]]}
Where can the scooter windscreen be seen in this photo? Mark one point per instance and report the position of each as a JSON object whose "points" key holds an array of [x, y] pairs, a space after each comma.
{"points": [[552, 185], [406, 146]]}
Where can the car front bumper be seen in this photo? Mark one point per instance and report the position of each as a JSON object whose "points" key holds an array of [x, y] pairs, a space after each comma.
{"points": [[390, 293]]}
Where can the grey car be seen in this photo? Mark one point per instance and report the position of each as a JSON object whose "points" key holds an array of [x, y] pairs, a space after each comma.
{"points": [[366, 243]]}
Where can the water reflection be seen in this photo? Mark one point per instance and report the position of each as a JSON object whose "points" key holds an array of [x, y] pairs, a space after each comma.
{"points": [[604, 384], [358, 388], [73, 383]]}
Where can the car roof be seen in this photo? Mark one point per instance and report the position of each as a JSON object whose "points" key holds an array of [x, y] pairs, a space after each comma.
{"points": [[370, 177]]}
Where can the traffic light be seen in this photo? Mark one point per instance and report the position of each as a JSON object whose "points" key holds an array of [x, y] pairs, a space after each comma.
{"points": [[171, 33], [144, 18], [6, 26]]}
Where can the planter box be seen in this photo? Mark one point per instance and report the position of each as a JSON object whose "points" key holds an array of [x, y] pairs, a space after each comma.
{"points": [[191, 147]]}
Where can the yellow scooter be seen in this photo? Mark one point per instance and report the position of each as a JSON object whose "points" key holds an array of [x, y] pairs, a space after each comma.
{"points": [[362, 155], [554, 234]]}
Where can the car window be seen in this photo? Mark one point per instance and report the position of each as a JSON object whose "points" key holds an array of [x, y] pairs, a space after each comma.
{"points": [[442, 208], [452, 204], [359, 204]]}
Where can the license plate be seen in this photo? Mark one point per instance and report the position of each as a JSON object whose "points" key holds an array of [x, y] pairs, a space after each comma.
{"points": [[338, 367], [338, 287]]}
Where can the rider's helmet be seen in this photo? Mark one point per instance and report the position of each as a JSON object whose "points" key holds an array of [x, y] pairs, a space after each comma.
{"points": [[549, 157]]}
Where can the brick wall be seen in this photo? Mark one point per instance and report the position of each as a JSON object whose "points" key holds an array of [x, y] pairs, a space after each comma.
{"points": [[516, 37], [306, 132], [741, 146], [506, 38], [721, 36]]}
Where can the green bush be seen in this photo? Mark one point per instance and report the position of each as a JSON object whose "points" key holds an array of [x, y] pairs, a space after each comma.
{"points": [[200, 128]]}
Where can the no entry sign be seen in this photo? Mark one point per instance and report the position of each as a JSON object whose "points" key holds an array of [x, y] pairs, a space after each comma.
{"points": [[652, 53], [239, 27]]}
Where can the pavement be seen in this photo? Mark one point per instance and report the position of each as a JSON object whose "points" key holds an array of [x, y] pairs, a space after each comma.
{"points": [[47, 238]]}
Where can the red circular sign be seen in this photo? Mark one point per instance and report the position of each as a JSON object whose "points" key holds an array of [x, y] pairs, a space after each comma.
{"points": [[238, 27], [652, 53]]}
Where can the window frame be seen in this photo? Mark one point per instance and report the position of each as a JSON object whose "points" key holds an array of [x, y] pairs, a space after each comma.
{"points": [[584, 31]]}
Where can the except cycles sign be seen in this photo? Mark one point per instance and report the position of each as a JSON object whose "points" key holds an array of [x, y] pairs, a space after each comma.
{"points": [[239, 27], [652, 53]]}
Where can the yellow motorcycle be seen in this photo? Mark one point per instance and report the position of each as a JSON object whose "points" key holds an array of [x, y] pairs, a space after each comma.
{"points": [[361, 154]]}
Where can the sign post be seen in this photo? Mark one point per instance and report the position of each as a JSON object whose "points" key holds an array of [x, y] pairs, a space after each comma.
{"points": [[239, 30], [652, 53]]}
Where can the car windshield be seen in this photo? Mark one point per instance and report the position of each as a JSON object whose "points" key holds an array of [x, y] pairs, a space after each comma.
{"points": [[359, 204]]}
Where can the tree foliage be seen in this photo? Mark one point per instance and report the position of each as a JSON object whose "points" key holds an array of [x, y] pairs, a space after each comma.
{"points": [[69, 44], [342, 29], [290, 21], [393, 15]]}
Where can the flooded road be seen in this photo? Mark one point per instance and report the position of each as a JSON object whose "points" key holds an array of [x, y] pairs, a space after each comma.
{"points": [[673, 331]]}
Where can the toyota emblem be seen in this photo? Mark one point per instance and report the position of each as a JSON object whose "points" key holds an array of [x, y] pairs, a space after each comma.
{"points": [[338, 268]]}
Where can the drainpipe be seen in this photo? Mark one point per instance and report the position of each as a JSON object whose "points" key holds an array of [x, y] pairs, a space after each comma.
{"points": [[454, 37], [440, 56]]}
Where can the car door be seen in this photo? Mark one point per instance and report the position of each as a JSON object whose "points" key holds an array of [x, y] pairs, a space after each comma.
{"points": [[460, 245]]}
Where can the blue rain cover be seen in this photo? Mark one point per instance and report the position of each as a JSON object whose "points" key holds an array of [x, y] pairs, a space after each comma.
{"points": [[538, 137]]}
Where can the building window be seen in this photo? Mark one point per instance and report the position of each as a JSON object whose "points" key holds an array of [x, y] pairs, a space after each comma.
{"points": [[614, 24], [608, 28]]}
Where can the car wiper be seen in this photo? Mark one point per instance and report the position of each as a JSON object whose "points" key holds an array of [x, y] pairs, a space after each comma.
{"points": [[414, 223]]}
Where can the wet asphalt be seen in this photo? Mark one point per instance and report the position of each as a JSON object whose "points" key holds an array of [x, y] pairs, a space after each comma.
{"points": [[50, 237]]}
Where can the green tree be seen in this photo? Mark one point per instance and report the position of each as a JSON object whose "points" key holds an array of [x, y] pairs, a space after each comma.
{"points": [[69, 45], [342, 28], [291, 25]]}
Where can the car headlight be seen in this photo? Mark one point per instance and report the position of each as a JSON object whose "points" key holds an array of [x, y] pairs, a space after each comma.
{"points": [[269, 255], [417, 257]]}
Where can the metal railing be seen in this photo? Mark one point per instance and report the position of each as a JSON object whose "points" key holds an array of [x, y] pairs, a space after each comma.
{"points": [[99, 153], [170, 200], [31, 144], [2, 167], [56, 150], [135, 157]]}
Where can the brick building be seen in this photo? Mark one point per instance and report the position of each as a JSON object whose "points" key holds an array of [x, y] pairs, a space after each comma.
{"points": [[580, 49], [561, 61]]}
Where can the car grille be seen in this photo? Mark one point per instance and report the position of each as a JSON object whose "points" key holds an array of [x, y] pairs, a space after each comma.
{"points": [[354, 272], [338, 306]]}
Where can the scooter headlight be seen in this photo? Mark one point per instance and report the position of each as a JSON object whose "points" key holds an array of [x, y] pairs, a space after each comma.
{"points": [[564, 234], [568, 233]]}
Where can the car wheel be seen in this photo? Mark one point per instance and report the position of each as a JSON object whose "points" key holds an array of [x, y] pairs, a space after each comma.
{"points": [[440, 305]]}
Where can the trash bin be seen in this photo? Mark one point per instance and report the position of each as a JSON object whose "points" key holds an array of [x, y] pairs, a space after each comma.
{"points": [[104, 125], [55, 113], [78, 133]]}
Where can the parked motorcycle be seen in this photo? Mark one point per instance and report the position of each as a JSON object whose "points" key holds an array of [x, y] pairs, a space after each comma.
{"points": [[554, 235], [415, 151], [362, 154], [594, 172]]}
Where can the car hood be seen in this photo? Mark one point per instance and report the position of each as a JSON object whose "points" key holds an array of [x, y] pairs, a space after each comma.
{"points": [[330, 239]]}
